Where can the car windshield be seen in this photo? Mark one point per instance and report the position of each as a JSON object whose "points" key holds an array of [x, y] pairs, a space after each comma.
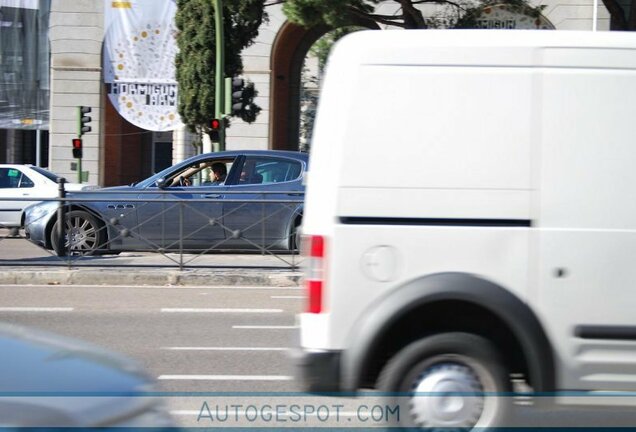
{"points": [[48, 174], [150, 181], [193, 171]]}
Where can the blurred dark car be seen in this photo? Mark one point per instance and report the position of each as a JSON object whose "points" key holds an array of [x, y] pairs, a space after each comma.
{"points": [[231, 214], [50, 381]]}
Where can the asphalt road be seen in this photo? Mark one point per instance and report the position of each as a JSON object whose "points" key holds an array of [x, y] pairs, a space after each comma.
{"points": [[206, 340], [154, 324], [220, 355]]}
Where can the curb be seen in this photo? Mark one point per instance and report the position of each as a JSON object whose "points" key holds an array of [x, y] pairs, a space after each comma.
{"points": [[141, 277]]}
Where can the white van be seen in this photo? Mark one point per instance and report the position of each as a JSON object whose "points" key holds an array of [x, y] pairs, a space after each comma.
{"points": [[471, 216]]}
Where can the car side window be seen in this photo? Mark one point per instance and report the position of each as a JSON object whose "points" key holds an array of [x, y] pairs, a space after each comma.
{"points": [[269, 170], [5, 182], [200, 173], [13, 178], [25, 182]]}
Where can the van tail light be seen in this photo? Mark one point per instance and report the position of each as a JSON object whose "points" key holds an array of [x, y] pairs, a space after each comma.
{"points": [[315, 273]]}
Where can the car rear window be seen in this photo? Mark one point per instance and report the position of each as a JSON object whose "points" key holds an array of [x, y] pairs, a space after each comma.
{"points": [[48, 174], [269, 170]]}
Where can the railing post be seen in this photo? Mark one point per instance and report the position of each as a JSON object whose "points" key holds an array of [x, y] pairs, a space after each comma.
{"points": [[263, 226], [180, 235], [61, 212]]}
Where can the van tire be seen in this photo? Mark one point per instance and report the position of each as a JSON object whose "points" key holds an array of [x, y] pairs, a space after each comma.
{"points": [[460, 362]]}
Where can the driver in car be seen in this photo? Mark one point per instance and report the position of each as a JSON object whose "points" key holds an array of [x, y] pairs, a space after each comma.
{"points": [[218, 173]]}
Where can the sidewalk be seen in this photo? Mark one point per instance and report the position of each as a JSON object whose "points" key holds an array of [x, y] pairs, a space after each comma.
{"points": [[23, 263]]}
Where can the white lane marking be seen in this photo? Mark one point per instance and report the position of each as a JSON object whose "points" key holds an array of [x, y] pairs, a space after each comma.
{"points": [[219, 310], [287, 297], [226, 377], [264, 327], [225, 348], [36, 309]]}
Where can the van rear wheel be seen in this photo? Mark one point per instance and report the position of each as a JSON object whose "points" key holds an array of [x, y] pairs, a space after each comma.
{"points": [[450, 380]]}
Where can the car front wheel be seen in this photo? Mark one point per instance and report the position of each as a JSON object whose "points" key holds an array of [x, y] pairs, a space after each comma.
{"points": [[450, 380], [82, 234], [294, 240]]}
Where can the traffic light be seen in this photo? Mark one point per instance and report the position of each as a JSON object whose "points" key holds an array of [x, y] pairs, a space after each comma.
{"points": [[215, 128], [238, 86], [84, 120], [77, 148], [243, 95]]}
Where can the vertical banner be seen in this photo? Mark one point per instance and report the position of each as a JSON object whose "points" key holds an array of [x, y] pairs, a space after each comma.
{"points": [[24, 64], [139, 70]]}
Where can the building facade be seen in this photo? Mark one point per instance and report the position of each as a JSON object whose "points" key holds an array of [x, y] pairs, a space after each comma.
{"points": [[118, 152]]}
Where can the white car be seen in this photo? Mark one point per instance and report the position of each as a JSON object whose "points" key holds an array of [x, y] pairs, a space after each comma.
{"points": [[25, 181]]}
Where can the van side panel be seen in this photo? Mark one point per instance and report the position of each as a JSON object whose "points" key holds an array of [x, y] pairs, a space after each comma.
{"points": [[385, 260], [439, 142], [587, 224]]}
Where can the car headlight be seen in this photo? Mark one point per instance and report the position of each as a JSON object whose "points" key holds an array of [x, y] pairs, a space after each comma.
{"points": [[38, 211]]}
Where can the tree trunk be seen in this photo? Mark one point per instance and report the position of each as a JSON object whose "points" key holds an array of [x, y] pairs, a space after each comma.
{"points": [[413, 18], [617, 15], [631, 24]]}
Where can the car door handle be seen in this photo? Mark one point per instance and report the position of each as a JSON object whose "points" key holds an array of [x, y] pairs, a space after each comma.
{"points": [[212, 196], [120, 206]]}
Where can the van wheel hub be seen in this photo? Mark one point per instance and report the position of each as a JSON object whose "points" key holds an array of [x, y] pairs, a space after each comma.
{"points": [[447, 395]]}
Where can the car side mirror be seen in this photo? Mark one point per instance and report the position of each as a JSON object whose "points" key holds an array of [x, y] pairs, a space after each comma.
{"points": [[161, 183]]}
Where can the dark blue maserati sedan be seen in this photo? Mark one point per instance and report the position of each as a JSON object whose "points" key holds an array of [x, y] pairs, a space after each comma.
{"points": [[214, 201], [49, 381]]}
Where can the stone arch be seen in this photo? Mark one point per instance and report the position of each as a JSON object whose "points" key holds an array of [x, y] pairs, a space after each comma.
{"points": [[288, 53]]}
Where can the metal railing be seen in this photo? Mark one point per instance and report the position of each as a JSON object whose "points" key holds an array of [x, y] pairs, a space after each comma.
{"points": [[187, 228]]}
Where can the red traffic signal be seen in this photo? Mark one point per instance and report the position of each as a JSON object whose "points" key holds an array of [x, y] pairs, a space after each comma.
{"points": [[215, 124], [77, 148]]}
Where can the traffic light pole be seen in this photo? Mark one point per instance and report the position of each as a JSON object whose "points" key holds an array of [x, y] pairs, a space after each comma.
{"points": [[80, 114], [220, 71]]}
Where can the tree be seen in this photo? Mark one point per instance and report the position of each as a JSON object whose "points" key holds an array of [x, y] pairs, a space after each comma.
{"points": [[195, 62], [410, 15]]}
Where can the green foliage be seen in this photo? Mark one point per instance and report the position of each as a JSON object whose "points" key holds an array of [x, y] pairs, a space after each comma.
{"points": [[195, 62], [333, 13], [408, 15]]}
